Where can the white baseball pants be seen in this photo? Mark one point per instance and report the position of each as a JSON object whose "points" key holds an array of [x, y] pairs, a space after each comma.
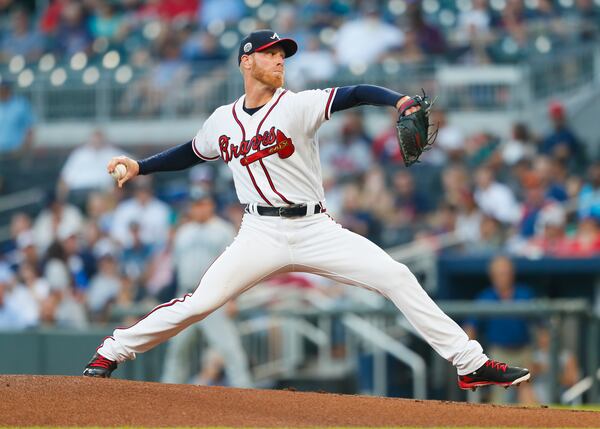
{"points": [[268, 245]]}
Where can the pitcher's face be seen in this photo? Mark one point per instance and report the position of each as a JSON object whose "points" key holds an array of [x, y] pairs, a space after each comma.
{"points": [[267, 66]]}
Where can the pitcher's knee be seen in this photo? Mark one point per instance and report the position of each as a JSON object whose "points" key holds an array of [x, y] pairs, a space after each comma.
{"points": [[200, 308], [399, 275]]}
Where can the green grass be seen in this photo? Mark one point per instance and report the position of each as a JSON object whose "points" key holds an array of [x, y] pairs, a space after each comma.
{"points": [[589, 407]]}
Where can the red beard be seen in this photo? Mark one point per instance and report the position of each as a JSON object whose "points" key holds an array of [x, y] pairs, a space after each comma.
{"points": [[272, 80]]}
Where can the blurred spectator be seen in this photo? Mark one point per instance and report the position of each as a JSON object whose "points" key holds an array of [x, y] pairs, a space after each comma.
{"points": [[366, 38], [568, 370], [351, 154], [20, 298], [410, 53], [474, 34], [209, 73], [51, 15], [57, 216], [535, 201], [314, 63], [492, 237], [468, 219], [166, 77], [334, 193], [494, 198], [104, 288], [561, 143], [170, 10], [203, 46], [20, 231], [550, 237], [508, 338], [62, 307], [589, 196], [320, 14], [548, 20], [144, 208], [520, 146], [450, 142], [286, 22], [197, 243], [444, 219], [160, 272], [99, 210], [357, 218], [80, 260], [16, 122], [586, 242], [553, 176], [587, 19], [85, 168], [226, 12], [56, 268], [430, 37], [455, 182], [410, 204], [106, 22], [38, 287], [474, 21], [136, 255], [72, 33], [11, 316], [22, 40], [385, 145]]}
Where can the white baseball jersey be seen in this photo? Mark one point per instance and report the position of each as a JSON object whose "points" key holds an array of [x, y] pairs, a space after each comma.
{"points": [[274, 153]]}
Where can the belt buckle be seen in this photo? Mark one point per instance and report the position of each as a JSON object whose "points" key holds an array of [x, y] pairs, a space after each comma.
{"points": [[287, 211]]}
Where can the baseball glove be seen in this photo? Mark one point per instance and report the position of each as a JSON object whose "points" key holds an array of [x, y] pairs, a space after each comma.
{"points": [[413, 131]]}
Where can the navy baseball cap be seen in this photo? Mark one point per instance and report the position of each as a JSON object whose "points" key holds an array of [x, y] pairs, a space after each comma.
{"points": [[262, 39]]}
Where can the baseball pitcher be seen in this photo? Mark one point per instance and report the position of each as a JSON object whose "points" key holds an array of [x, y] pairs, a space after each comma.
{"points": [[268, 137]]}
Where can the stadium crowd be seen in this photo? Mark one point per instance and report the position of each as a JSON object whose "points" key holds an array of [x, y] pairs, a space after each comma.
{"points": [[177, 43], [528, 196]]}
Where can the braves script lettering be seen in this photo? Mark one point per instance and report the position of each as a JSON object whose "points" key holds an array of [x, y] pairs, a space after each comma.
{"points": [[272, 141]]}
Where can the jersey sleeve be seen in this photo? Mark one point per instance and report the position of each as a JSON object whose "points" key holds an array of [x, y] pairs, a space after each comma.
{"points": [[315, 105], [204, 146]]}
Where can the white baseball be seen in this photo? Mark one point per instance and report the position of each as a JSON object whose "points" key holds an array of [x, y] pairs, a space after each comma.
{"points": [[119, 172]]}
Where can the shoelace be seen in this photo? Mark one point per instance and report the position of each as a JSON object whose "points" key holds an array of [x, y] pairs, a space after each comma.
{"points": [[102, 362], [496, 365]]}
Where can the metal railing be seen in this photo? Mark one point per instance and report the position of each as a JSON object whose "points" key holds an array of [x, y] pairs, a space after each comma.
{"points": [[554, 310]]}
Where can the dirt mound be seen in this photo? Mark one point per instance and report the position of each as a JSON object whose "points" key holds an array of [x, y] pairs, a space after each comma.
{"points": [[79, 401]]}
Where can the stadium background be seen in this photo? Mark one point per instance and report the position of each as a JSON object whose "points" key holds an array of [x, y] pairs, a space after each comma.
{"points": [[88, 77]]}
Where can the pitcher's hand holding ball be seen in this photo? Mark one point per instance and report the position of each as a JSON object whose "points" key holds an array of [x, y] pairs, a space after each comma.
{"points": [[123, 169]]}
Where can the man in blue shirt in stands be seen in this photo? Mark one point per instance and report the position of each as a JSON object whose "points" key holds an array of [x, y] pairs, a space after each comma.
{"points": [[16, 122], [508, 337]]}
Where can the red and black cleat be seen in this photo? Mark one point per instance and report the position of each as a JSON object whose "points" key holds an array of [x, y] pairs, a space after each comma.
{"points": [[100, 367], [494, 373]]}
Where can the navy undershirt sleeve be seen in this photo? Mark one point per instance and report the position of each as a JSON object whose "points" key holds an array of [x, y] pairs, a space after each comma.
{"points": [[173, 159], [351, 96]]}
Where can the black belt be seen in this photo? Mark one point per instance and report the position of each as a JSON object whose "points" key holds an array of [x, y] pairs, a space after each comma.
{"points": [[293, 210]]}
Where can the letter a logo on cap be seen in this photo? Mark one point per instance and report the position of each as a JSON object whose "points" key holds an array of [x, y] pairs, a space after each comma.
{"points": [[247, 47], [275, 36]]}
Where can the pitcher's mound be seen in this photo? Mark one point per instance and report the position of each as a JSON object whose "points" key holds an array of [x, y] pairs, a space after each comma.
{"points": [[79, 401]]}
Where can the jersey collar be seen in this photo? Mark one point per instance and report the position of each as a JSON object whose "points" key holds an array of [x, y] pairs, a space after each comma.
{"points": [[240, 105]]}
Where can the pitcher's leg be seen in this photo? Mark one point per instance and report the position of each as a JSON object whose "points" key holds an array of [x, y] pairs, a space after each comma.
{"points": [[250, 258], [350, 258]]}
